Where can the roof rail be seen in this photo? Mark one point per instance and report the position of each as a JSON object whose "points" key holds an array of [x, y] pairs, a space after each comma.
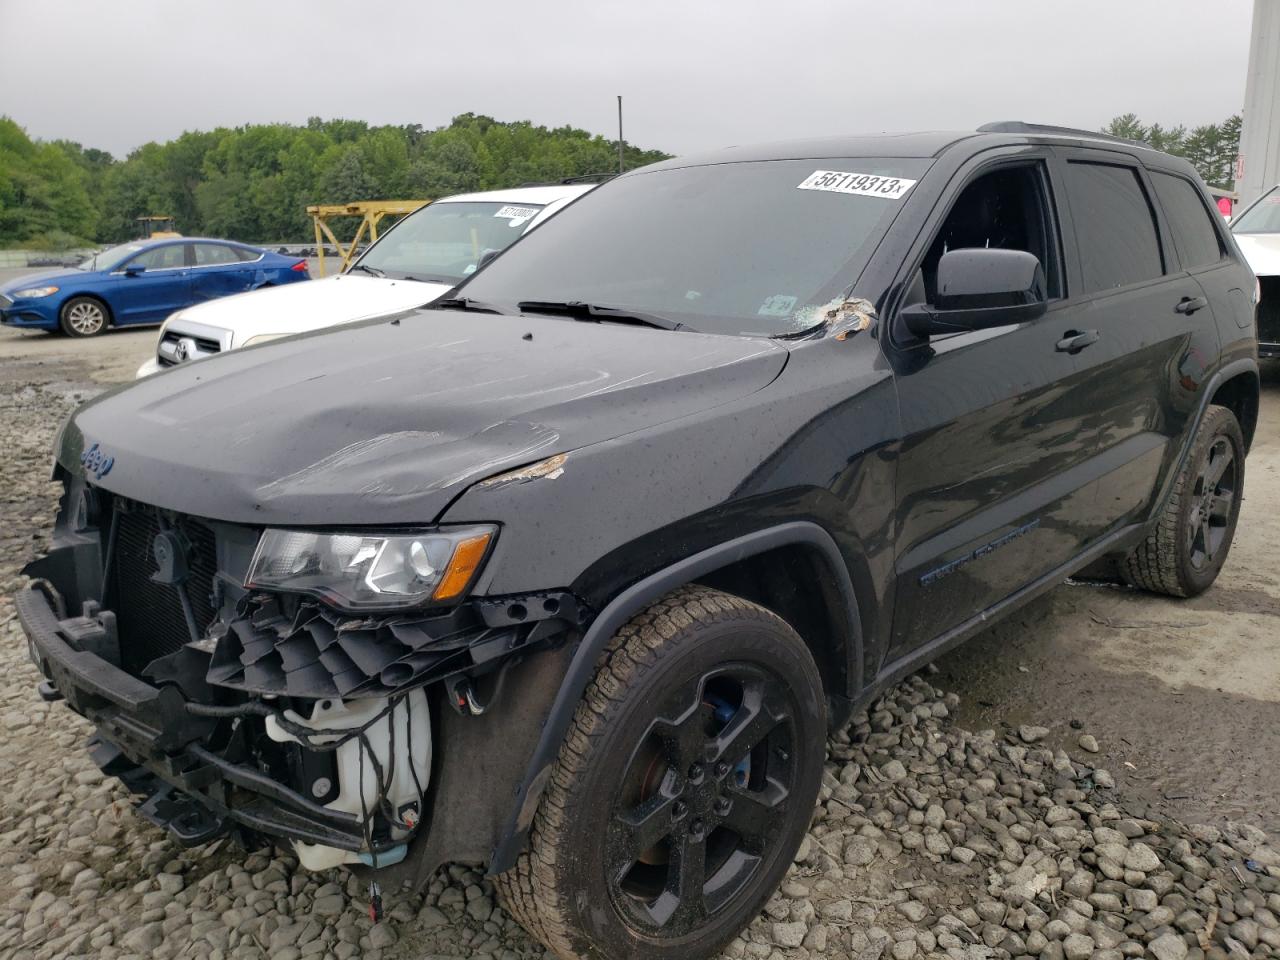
{"points": [[589, 178], [1019, 126], [584, 178]]}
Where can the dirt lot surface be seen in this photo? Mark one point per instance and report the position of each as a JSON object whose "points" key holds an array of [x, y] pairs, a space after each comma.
{"points": [[1094, 778]]}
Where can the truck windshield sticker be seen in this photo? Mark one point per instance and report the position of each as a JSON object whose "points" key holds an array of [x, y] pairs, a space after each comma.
{"points": [[858, 184], [516, 214]]}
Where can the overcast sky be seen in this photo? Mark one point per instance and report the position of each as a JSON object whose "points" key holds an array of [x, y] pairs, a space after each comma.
{"points": [[694, 75]]}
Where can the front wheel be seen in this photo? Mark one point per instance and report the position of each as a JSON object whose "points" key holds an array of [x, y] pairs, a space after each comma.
{"points": [[83, 317], [683, 789], [1185, 551]]}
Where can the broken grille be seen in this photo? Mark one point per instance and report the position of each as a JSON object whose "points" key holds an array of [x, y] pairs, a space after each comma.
{"points": [[149, 615]]}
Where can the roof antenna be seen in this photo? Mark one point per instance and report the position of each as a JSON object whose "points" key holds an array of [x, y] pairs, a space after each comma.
{"points": [[619, 133]]}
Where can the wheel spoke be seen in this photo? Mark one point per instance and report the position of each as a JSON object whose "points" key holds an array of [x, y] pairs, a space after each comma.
{"points": [[683, 736], [754, 813], [689, 874], [647, 825], [1220, 505], [1220, 459], [1205, 537], [753, 721]]}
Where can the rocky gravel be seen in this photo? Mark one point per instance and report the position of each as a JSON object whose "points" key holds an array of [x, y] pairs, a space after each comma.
{"points": [[929, 841]]}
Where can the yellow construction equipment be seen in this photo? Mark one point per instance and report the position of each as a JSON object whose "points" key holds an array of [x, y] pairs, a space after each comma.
{"points": [[155, 227], [369, 212]]}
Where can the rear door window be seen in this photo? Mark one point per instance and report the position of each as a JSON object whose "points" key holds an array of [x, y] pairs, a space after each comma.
{"points": [[214, 254], [1114, 225], [1189, 219]]}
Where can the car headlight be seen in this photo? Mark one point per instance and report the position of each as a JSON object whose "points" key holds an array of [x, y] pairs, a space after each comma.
{"points": [[364, 571], [263, 338], [34, 293]]}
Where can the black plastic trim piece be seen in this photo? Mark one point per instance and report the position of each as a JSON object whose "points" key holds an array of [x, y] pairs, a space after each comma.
{"points": [[629, 602]]}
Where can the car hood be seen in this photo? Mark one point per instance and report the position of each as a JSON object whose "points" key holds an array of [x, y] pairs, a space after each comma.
{"points": [[1262, 251], [386, 421], [43, 278], [303, 307]]}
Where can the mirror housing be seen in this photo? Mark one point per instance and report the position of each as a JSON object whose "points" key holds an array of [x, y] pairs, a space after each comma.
{"points": [[133, 269], [979, 289]]}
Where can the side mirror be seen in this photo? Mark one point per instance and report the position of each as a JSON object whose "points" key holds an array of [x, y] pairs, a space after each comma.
{"points": [[487, 257], [133, 269], [979, 289]]}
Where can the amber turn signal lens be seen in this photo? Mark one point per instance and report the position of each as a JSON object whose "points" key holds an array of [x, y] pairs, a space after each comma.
{"points": [[462, 567]]}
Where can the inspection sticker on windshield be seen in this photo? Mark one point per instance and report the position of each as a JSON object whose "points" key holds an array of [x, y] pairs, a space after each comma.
{"points": [[860, 184], [517, 214]]}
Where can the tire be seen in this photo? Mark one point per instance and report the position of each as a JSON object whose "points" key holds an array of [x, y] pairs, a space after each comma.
{"points": [[1186, 548], [604, 875], [83, 317]]}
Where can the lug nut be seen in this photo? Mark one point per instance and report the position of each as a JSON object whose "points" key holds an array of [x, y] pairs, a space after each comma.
{"points": [[679, 809], [697, 827], [721, 768], [723, 805], [695, 772]]}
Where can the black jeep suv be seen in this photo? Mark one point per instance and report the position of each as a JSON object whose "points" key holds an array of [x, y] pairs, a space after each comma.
{"points": [[571, 574]]}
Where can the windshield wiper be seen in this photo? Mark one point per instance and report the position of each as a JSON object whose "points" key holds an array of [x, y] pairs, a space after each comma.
{"points": [[803, 333], [464, 303], [373, 271], [596, 312]]}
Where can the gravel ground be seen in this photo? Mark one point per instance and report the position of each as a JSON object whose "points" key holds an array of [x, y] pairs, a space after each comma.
{"points": [[935, 837]]}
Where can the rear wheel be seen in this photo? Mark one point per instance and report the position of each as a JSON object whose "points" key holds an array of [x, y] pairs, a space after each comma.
{"points": [[683, 789], [83, 317], [1182, 555]]}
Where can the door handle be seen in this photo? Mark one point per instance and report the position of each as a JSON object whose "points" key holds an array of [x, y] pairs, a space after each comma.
{"points": [[1190, 305], [1073, 341]]}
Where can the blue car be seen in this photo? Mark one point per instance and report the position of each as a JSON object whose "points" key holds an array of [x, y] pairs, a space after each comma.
{"points": [[141, 282]]}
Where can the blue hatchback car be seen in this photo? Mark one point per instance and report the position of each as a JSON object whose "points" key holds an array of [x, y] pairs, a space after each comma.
{"points": [[142, 282]]}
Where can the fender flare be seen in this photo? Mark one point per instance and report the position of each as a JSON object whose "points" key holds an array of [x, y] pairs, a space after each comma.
{"points": [[611, 619], [1220, 376]]}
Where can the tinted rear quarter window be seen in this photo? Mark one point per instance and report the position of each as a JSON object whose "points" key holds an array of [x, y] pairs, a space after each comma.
{"points": [[1114, 226], [1189, 219]]}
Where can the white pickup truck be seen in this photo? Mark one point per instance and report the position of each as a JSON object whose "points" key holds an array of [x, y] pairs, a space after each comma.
{"points": [[421, 258]]}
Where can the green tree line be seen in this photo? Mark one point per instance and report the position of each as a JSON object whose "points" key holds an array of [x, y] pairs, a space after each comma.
{"points": [[253, 183], [1210, 148]]}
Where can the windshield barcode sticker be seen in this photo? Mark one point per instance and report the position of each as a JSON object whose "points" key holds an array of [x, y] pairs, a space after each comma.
{"points": [[516, 213], [859, 184]]}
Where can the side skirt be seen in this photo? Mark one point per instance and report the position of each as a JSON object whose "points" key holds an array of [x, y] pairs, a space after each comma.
{"points": [[890, 673]]}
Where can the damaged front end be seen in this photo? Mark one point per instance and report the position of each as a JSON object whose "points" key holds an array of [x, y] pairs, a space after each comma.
{"points": [[275, 711]]}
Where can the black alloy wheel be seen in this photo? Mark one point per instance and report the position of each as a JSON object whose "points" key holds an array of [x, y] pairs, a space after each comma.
{"points": [[703, 800], [1215, 492], [683, 788], [1189, 541]]}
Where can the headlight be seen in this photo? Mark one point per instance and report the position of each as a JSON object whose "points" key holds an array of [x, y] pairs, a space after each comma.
{"points": [[263, 338], [34, 293], [358, 571]]}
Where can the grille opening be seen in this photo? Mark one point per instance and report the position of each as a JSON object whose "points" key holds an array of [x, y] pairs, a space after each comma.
{"points": [[149, 614], [1269, 310], [205, 344]]}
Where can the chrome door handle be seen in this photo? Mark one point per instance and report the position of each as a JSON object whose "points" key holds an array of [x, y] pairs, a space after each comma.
{"points": [[1073, 341], [1190, 305]]}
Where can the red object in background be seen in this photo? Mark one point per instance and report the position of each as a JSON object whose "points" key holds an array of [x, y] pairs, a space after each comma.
{"points": [[1224, 206]]}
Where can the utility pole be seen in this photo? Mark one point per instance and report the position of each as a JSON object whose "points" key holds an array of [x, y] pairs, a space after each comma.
{"points": [[1258, 165], [620, 134]]}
